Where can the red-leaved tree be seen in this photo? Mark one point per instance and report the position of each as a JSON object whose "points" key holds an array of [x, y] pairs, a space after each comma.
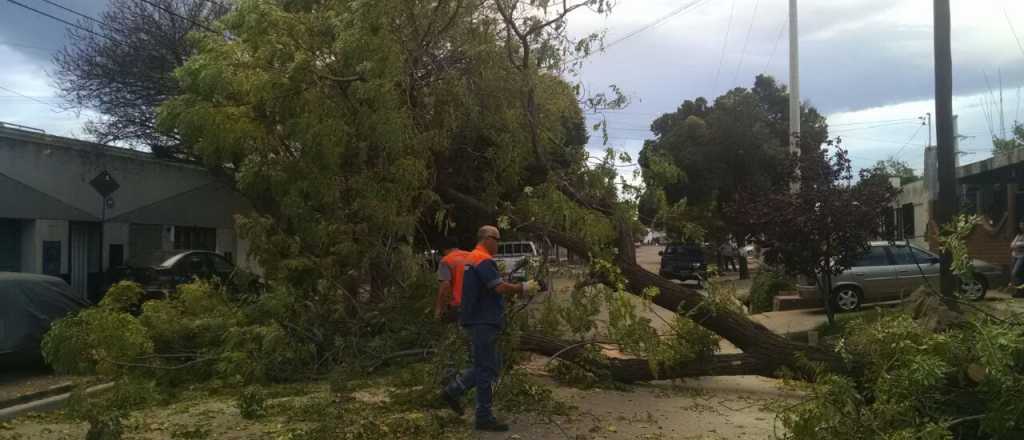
{"points": [[820, 227]]}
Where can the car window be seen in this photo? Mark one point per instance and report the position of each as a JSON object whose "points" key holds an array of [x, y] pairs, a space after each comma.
{"points": [[193, 264], [520, 249], [503, 249], [909, 255], [221, 264], [874, 257]]}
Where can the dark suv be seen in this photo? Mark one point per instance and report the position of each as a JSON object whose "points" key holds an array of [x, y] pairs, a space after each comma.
{"points": [[683, 262]]}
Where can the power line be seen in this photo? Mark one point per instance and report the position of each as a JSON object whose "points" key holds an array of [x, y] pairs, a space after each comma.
{"points": [[1013, 30], [725, 42], [775, 48], [207, 28], [746, 41], [53, 17], [58, 5], [682, 9], [26, 96], [876, 121], [871, 127], [898, 152]]}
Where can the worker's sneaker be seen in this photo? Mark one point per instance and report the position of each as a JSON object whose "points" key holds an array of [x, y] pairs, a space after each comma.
{"points": [[492, 425], [452, 402]]}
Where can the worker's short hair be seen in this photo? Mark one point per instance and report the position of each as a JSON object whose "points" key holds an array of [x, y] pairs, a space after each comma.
{"points": [[487, 231]]}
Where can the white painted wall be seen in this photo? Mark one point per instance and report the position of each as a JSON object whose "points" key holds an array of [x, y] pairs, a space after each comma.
{"points": [[917, 194]]}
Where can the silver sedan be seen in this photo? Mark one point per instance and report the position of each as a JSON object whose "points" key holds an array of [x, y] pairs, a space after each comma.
{"points": [[893, 271]]}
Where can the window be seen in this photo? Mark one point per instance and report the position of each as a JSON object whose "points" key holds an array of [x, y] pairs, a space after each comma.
{"points": [[874, 257], [195, 238], [193, 264], [907, 218], [908, 255]]}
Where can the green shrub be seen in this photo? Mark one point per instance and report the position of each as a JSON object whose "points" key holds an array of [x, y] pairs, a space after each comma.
{"points": [[125, 296], [909, 381], [252, 403], [96, 341], [765, 287]]}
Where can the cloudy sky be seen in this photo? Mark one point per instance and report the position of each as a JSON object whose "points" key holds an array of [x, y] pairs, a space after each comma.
{"points": [[866, 64]]}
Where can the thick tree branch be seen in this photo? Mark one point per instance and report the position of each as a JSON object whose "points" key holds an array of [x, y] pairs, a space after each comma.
{"points": [[566, 10], [771, 350]]}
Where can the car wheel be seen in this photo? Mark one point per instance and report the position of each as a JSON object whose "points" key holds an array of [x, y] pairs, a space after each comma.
{"points": [[973, 289], [846, 299]]}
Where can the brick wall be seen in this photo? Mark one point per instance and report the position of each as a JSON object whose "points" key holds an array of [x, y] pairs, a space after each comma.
{"points": [[989, 247], [987, 243]]}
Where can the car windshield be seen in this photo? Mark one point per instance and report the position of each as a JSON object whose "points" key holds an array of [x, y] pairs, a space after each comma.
{"points": [[680, 250]]}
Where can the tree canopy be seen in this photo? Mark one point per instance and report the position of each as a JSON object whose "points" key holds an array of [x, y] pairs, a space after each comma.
{"points": [[893, 167], [124, 68], [706, 153], [1012, 143]]}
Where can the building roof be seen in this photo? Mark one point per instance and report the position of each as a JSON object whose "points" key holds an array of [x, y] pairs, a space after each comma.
{"points": [[997, 169], [40, 137]]}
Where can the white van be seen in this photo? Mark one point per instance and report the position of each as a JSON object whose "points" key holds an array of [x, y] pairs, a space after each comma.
{"points": [[511, 255]]}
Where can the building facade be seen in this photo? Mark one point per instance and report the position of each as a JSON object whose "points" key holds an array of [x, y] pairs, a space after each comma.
{"points": [[75, 209]]}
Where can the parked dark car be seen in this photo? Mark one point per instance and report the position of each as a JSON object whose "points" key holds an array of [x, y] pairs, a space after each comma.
{"points": [[29, 304], [179, 267], [683, 262]]}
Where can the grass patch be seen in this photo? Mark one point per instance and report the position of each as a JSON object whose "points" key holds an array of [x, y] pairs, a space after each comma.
{"points": [[843, 320]]}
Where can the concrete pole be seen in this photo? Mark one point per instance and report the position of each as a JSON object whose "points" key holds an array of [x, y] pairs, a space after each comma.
{"points": [[794, 80], [946, 208]]}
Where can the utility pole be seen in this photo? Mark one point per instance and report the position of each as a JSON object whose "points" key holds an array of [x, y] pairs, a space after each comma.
{"points": [[794, 80], [946, 205], [929, 116]]}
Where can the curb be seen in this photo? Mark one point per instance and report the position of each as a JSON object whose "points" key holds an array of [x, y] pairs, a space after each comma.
{"points": [[29, 397], [45, 404]]}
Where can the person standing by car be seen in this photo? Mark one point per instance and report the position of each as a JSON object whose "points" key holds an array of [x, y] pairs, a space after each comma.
{"points": [[729, 255], [1017, 252], [482, 316]]}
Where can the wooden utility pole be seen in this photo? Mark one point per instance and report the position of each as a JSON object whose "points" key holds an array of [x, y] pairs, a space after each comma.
{"points": [[946, 205]]}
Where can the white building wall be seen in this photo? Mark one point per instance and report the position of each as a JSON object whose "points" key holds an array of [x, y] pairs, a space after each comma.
{"points": [[917, 194]]}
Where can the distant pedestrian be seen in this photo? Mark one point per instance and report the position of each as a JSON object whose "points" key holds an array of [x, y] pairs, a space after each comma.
{"points": [[1017, 252], [734, 251], [728, 259]]}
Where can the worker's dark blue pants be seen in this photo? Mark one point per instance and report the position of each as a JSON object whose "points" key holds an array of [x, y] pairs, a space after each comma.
{"points": [[483, 373]]}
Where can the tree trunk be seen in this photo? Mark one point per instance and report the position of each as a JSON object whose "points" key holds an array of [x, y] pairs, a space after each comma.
{"points": [[639, 370], [768, 350]]}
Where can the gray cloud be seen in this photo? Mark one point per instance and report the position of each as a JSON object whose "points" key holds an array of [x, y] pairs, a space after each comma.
{"points": [[21, 27]]}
